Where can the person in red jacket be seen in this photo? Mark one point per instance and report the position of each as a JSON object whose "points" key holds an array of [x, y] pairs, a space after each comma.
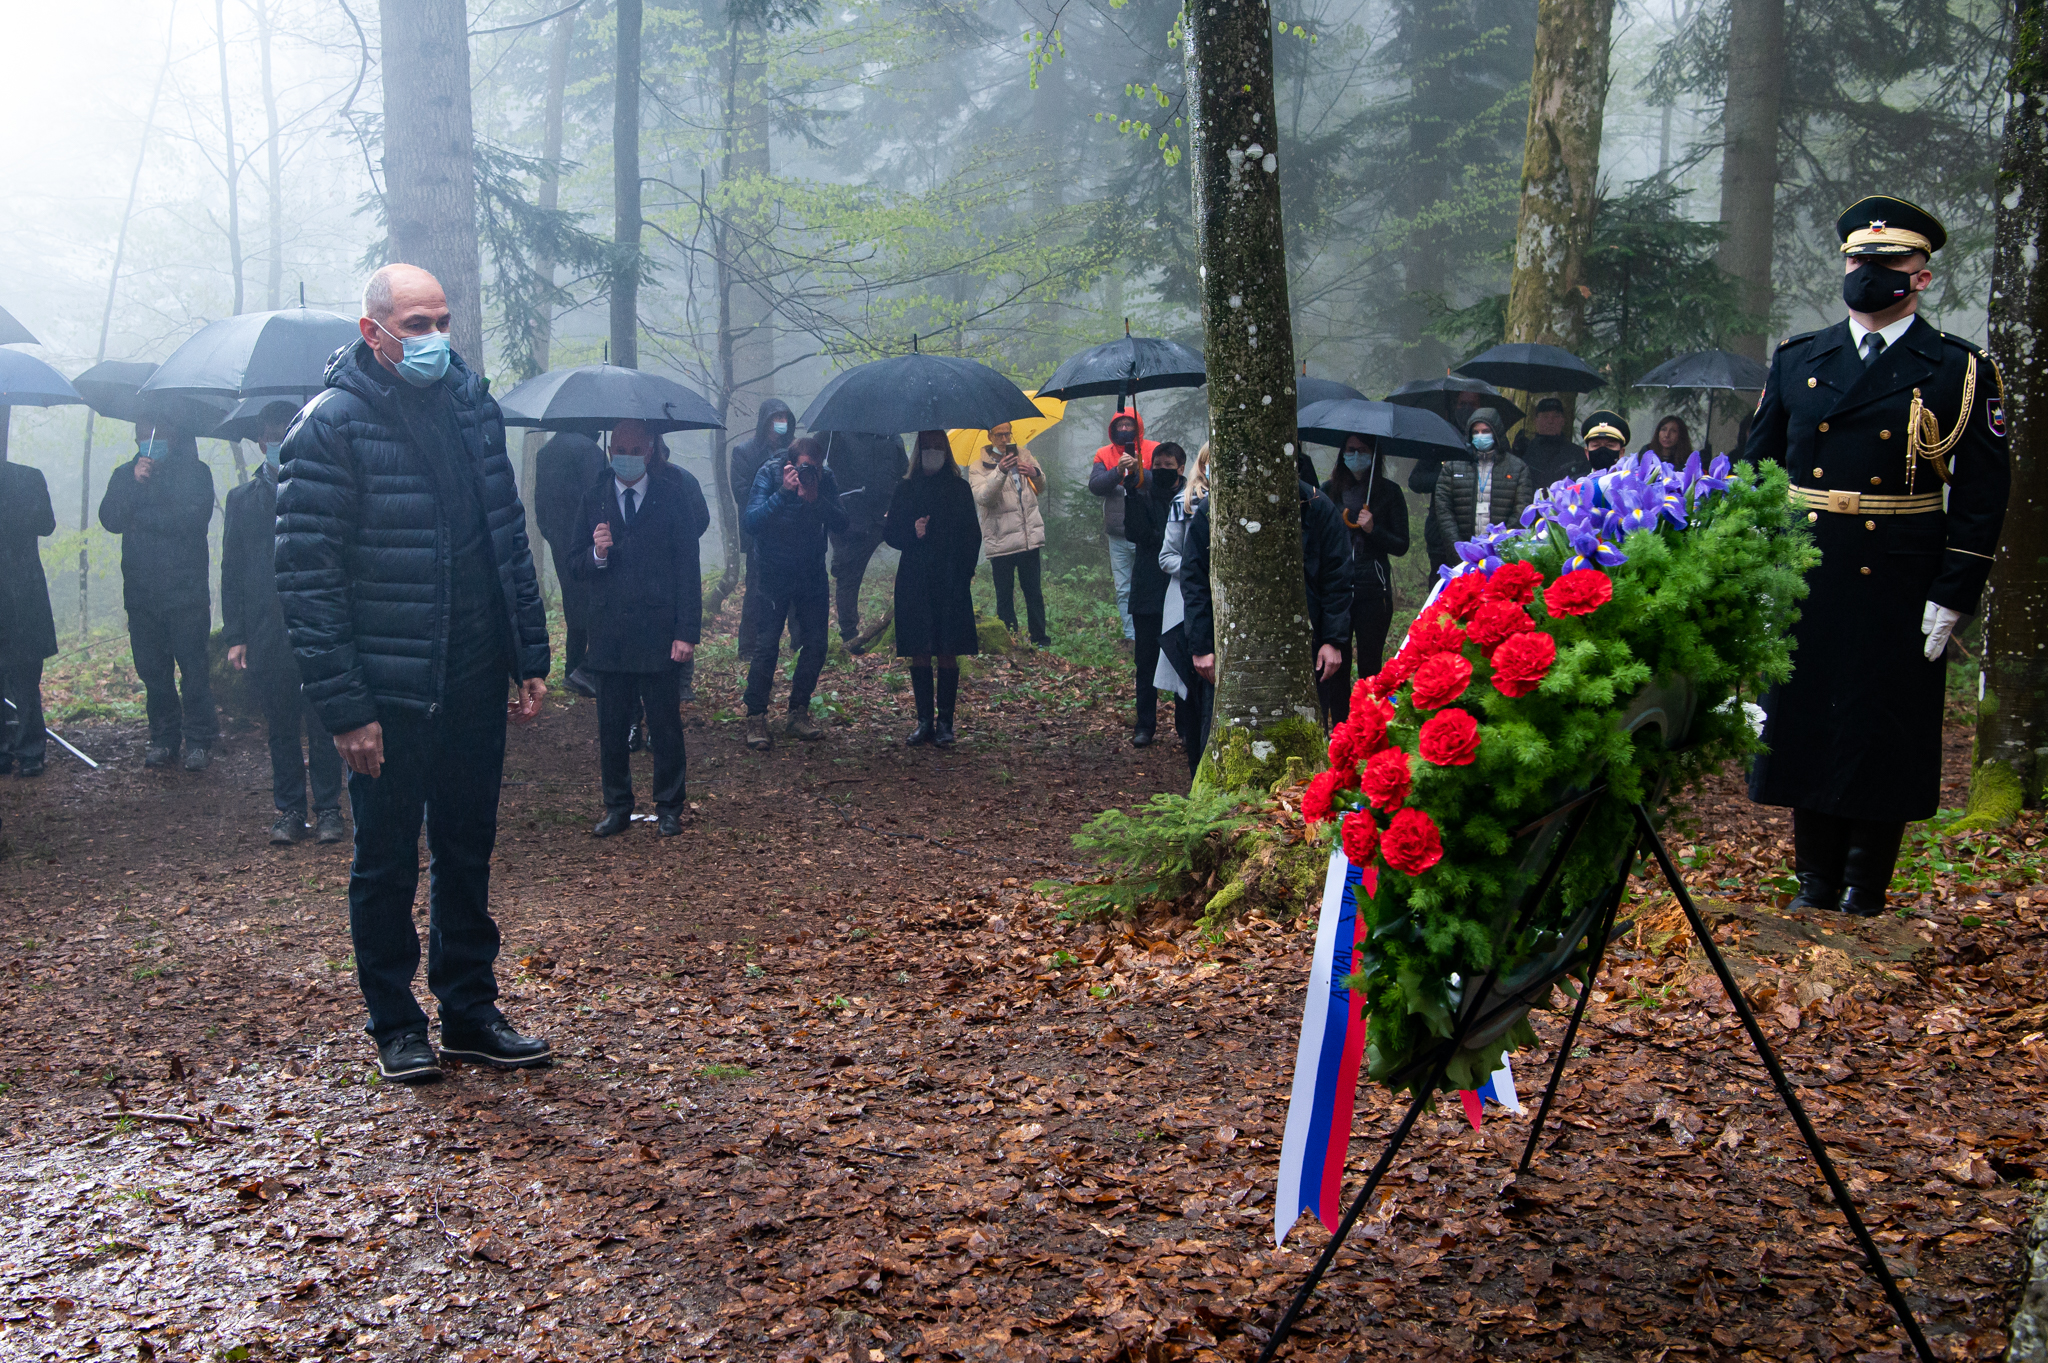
{"points": [[1127, 449]]}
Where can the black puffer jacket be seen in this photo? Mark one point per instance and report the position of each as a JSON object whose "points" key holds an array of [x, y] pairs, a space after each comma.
{"points": [[869, 467], [1453, 514], [364, 545], [162, 524], [1325, 568], [250, 614]]}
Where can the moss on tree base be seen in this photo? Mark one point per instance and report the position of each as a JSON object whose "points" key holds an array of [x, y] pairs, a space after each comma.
{"points": [[1242, 759], [1996, 797]]}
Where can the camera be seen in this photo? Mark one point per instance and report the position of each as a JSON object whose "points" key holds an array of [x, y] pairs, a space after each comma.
{"points": [[807, 474]]}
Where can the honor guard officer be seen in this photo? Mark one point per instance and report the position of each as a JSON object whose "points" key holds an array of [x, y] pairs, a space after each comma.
{"points": [[1605, 437], [1894, 434]]}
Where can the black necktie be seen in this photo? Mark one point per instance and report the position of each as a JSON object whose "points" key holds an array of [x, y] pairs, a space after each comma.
{"points": [[1873, 346], [630, 499]]}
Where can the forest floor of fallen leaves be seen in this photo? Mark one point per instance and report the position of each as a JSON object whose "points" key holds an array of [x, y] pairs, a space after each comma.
{"points": [[835, 1083]]}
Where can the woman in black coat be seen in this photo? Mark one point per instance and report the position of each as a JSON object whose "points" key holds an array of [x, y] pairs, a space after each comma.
{"points": [[1376, 524], [932, 522]]}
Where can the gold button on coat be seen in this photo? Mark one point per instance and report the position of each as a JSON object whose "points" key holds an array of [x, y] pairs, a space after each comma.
{"points": [[1823, 428], [1864, 570], [1870, 525], [1877, 482], [1817, 473], [1884, 435], [1813, 383], [1813, 515]]}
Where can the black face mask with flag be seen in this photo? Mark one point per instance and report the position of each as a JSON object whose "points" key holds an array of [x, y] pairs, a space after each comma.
{"points": [[1873, 287]]}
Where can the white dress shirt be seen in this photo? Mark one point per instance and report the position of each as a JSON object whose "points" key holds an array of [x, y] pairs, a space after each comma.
{"points": [[1891, 332], [619, 491]]}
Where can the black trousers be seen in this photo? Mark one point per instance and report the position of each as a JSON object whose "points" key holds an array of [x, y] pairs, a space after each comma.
{"points": [[170, 658], [620, 695], [1023, 569], [21, 728], [1191, 720], [804, 605], [575, 628], [445, 771], [1372, 616], [286, 715], [851, 554], [1145, 650]]}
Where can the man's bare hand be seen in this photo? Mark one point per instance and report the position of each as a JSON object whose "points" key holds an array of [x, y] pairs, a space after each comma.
{"points": [[363, 749], [1205, 667], [601, 541], [1008, 463], [790, 482], [680, 651], [238, 657], [1328, 659], [526, 709], [143, 468], [1126, 462]]}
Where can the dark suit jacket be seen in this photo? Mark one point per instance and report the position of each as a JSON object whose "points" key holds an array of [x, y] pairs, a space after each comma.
{"points": [[27, 630], [649, 593], [564, 469], [251, 613]]}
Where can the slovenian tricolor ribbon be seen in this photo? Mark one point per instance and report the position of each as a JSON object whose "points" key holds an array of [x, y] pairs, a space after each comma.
{"points": [[1327, 1060]]}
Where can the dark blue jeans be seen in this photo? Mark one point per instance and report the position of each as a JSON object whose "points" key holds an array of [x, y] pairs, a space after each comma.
{"points": [[805, 604], [446, 770]]}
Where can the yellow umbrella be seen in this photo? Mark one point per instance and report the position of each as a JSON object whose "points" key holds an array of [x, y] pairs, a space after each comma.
{"points": [[967, 444]]}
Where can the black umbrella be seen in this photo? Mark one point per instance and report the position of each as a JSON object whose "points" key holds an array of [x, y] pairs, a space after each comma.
{"points": [[249, 416], [256, 354], [1332, 422], [918, 393], [1441, 396], [13, 332], [113, 389], [1127, 365], [1707, 369], [596, 397], [1534, 368], [1308, 392], [26, 381]]}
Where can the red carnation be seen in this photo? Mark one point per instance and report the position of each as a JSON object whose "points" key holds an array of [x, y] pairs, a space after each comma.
{"points": [[1396, 673], [1522, 662], [1322, 792], [1449, 738], [1363, 693], [1579, 593], [1346, 748], [1496, 620], [1435, 632], [1515, 582], [1370, 717], [1441, 679], [1461, 595], [1386, 779], [1361, 837], [1412, 843]]}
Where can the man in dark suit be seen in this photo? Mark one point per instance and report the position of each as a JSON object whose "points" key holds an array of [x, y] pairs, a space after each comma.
{"points": [[636, 547], [1874, 417], [28, 633], [565, 468]]}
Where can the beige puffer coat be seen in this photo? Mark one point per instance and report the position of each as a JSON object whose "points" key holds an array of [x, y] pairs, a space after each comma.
{"points": [[1010, 519]]}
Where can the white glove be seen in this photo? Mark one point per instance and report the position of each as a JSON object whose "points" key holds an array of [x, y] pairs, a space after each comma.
{"points": [[1937, 623]]}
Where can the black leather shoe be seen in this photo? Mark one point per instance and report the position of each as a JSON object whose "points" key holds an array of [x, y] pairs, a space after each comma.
{"points": [[636, 739], [159, 755], [329, 827], [579, 682], [1861, 902], [28, 771], [288, 829], [942, 733], [1142, 738], [409, 1060], [922, 734], [1815, 893], [494, 1043], [614, 821], [668, 825], [197, 759]]}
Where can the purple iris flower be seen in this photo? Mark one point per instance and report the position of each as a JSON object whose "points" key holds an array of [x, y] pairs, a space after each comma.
{"points": [[1592, 551]]}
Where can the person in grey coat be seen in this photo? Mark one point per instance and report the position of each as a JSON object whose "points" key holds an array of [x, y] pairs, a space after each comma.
{"points": [[28, 632], [1490, 487]]}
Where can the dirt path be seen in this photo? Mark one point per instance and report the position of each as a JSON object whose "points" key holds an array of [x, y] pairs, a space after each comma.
{"points": [[837, 1084]]}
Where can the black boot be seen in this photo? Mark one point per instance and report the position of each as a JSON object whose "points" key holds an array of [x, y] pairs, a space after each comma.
{"points": [[1867, 870], [949, 691], [1820, 843], [921, 688]]}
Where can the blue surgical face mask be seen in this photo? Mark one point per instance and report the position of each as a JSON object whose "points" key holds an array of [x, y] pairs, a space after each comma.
{"points": [[426, 357], [629, 468], [1483, 441], [156, 447], [270, 452], [1358, 461]]}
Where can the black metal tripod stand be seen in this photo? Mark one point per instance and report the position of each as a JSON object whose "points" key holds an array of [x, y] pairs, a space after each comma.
{"points": [[1646, 834]]}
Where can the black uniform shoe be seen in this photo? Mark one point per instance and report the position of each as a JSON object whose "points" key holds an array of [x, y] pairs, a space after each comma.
{"points": [[1142, 738], [614, 821], [494, 1043], [942, 733], [922, 734], [1815, 893], [330, 827], [28, 771], [159, 755], [288, 829], [668, 825], [1861, 902], [197, 759], [409, 1060], [636, 739]]}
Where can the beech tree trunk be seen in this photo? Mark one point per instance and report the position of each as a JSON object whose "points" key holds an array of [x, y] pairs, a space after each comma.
{"points": [[2012, 712], [274, 284], [1265, 709], [625, 289], [563, 33], [233, 165], [1560, 169], [429, 175], [1749, 158]]}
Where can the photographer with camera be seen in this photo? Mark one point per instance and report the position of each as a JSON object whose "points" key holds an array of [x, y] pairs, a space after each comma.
{"points": [[792, 511]]}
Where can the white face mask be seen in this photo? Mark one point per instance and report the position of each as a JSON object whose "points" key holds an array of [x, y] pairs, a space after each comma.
{"points": [[933, 460]]}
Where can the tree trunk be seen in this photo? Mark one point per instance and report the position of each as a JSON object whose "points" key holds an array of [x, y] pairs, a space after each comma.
{"points": [[429, 178], [1560, 170], [1749, 158], [1426, 33], [234, 166], [274, 292], [1265, 690], [753, 314], [563, 35], [2012, 714], [625, 289]]}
